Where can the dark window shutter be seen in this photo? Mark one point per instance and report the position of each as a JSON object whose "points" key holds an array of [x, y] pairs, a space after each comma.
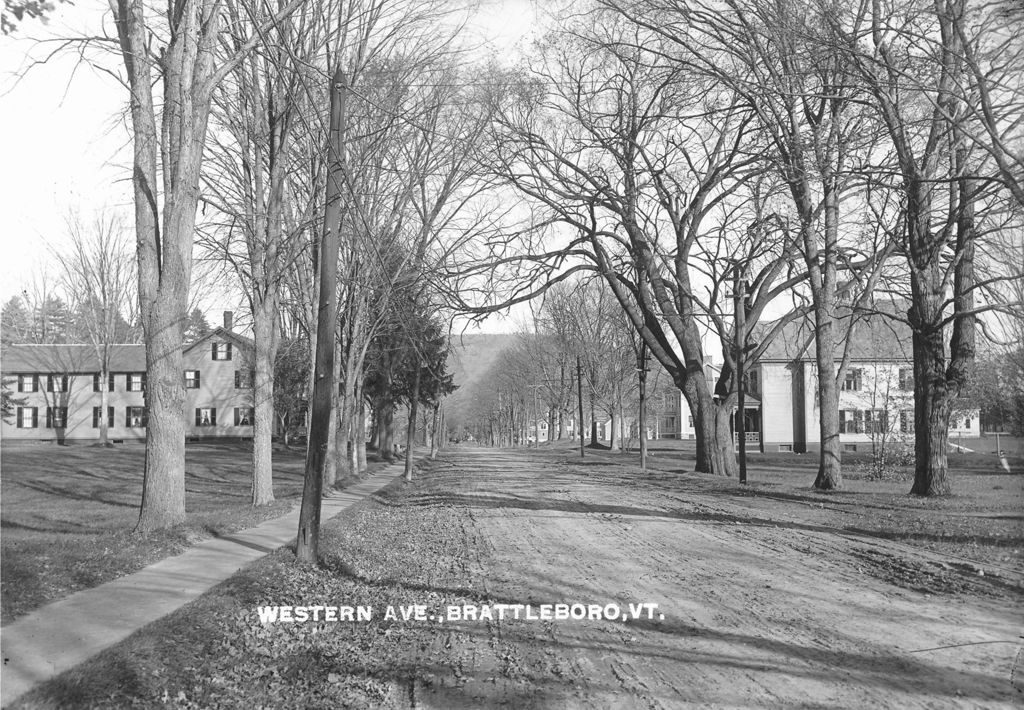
{"points": [[238, 379], [111, 383], [96, 382], [199, 416], [21, 384], [17, 423], [110, 417], [145, 416], [199, 381], [213, 416], [63, 383], [49, 383], [213, 351], [49, 417], [127, 416], [237, 416], [95, 417], [35, 383], [229, 350], [35, 417]]}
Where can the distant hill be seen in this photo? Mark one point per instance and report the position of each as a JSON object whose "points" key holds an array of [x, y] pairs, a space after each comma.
{"points": [[471, 361]]}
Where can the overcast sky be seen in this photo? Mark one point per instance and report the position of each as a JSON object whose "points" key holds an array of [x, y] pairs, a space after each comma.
{"points": [[65, 145]]}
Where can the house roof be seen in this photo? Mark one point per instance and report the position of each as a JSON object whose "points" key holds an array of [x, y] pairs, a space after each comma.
{"points": [[62, 357], [74, 357], [221, 333], [877, 337]]}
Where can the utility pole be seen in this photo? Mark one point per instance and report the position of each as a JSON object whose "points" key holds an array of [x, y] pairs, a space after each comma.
{"points": [[739, 287], [308, 543], [641, 368], [536, 418], [579, 394]]}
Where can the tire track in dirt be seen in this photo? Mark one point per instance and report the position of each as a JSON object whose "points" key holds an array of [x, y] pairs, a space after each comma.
{"points": [[755, 615]]}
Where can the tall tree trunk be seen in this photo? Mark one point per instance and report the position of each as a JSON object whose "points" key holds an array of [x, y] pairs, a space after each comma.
{"points": [[361, 433], [163, 487], [165, 225], [410, 435], [434, 432], [266, 341], [830, 472], [331, 458], [104, 405], [931, 396], [387, 433]]}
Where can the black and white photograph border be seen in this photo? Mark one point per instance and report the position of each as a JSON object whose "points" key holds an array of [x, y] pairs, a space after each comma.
{"points": [[512, 353]]}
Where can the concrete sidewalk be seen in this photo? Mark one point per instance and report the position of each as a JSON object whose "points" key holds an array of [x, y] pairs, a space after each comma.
{"points": [[61, 635]]}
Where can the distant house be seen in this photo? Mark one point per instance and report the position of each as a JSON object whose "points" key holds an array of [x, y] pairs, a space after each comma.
{"points": [[60, 385], [876, 395], [781, 414]]}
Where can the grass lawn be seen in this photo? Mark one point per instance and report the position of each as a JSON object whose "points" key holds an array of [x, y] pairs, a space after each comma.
{"points": [[426, 543], [982, 521], [67, 513]]}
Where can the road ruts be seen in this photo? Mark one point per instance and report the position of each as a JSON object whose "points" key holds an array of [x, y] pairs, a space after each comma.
{"points": [[755, 615]]}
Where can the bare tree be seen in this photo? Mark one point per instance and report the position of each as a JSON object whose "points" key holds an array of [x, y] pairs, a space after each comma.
{"points": [[904, 51], [99, 275], [177, 51]]}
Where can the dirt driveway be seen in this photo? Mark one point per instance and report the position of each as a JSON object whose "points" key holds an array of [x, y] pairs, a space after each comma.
{"points": [[751, 611]]}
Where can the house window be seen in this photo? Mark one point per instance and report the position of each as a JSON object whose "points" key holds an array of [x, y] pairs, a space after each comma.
{"points": [[56, 383], [850, 447], [221, 351], [853, 381], [243, 416], [135, 382], [135, 417], [967, 423], [906, 378], [192, 379], [96, 417], [786, 448], [907, 421], [206, 416], [56, 417], [875, 421], [96, 382], [848, 421], [28, 383], [243, 379], [753, 383], [28, 417]]}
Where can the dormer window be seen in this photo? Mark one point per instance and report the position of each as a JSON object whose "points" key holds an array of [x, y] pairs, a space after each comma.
{"points": [[221, 351]]}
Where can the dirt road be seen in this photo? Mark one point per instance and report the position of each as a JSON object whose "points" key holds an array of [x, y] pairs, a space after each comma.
{"points": [[753, 611]]}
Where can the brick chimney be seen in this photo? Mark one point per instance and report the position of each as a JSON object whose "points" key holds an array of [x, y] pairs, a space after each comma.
{"points": [[229, 320]]}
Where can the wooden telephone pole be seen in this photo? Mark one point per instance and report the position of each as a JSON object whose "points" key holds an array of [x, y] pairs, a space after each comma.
{"points": [[579, 394], [641, 368], [739, 287], [307, 546]]}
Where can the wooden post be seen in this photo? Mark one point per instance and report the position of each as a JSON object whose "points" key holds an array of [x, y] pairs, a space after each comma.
{"points": [[579, 393], [308, 541], [642, 372], [740, 301]]}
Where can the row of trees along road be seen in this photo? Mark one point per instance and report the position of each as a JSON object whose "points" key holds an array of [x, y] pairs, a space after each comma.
{"points": [[820, 156], [701, 159]]}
